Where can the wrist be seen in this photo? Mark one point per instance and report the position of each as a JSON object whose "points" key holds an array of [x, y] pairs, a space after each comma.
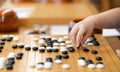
{"points": [[91, 20]]}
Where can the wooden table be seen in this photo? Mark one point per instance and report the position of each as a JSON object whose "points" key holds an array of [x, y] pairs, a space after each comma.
{"points": [[54, 13], [110, 60], [114, 42]]}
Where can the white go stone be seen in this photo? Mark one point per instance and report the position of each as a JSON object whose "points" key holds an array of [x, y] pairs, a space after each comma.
{"points": [[2, 58], [100, 66], [81, 62], [55, 47], [41, 37], [1, 67], [58, 61], [27, 46], [49, 48], [35, 39], [41, 47], [87, 40], [20, 44], [90, 44], [16, 38], [48, 65], [34, 45], [11, 54], [66, 37], [32, 64], [63, 49], [62, 44], [91, 66], [56, 44], [54, 38], [70, 45], [66, 66], [41, 41], [4, 36], [47, 37], [61, 39], [39, 66], [10, 35], [68, 42], [2, 62]]}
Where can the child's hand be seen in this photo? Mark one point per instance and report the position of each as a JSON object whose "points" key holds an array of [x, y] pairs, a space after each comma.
{"points": [[82, 30]]}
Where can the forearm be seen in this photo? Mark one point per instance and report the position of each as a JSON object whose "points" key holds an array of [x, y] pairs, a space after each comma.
{"points": [[108, 19]]}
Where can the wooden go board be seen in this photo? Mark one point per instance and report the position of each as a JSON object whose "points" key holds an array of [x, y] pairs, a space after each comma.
{"points": [[110, 60]]}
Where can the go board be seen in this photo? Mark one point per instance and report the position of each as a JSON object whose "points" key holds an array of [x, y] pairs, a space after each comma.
{"points": [[109, 59]]}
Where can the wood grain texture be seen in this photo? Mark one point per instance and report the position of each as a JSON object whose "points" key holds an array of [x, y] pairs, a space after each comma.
{"points": [[110, 59]]}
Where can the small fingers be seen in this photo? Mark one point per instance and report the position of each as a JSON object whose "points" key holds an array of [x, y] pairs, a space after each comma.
{"points": [[85, 37], [74, 32], [79, 36]]}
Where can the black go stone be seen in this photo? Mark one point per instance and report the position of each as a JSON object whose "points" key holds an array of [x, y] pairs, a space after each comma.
{"points": [[96, 43], [35, 48], [0, 50], [1, 47], [54, 41], [85, 50], [21, 46], [58, 57], [9, 66], [11, 61], [49, 50], [98, 58], [83, 58], [2, 42], [40, 63], [94, 39], [64, 52], [18, 57], [41, 50], [65, 56], [49, 42], [94, 52], [62, 42], [55, 50], [14, 46], [48, 39], [9, 38], [90, 41], [12, 58], [21, 54], [71, 49], [3, 39], [49, 60], [27, 48], [89, 62], [42, 32], [99, 63], [50, 45]]}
